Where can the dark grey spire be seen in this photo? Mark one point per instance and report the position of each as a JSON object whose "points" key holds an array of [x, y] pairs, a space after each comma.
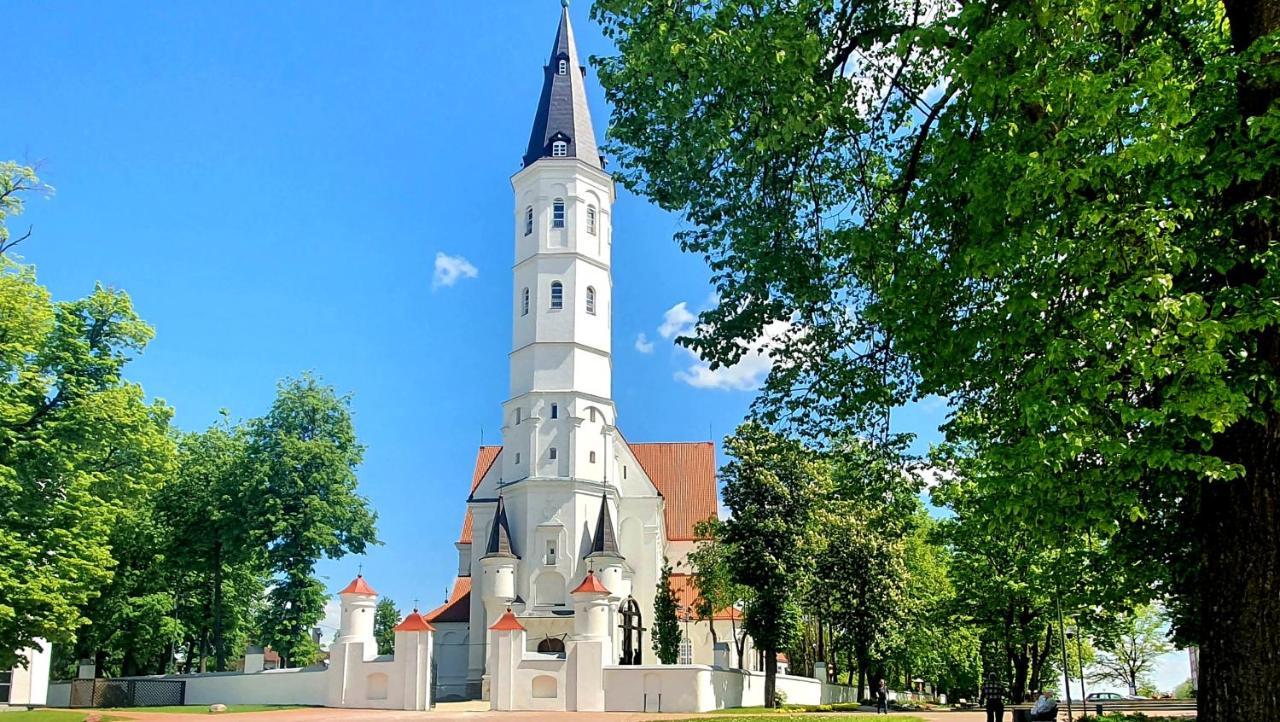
{"points": [[605, 541], [500, 535], [562, 110]]}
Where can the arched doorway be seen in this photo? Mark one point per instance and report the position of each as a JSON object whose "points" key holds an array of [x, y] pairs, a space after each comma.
{"points": [[632, 633]]}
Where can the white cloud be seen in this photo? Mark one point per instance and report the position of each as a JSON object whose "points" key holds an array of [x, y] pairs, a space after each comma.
{"points": [[677, 321], [643, 344], [451, 268], [747, 374]]}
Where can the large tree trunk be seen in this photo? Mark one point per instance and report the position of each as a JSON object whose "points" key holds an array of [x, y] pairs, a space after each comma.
{"points": [[1240, 585], [770, 677], [1238, 521]]}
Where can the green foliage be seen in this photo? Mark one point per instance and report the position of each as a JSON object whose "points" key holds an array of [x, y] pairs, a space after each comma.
{"points": [[714, 580], [666, 622], [773, 487], [1060, 217], [78, 445], [385, 619], [1130, 654], [303, 456]]}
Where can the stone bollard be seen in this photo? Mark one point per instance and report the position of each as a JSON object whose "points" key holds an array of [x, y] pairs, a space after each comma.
{"points": [[214, 708]]}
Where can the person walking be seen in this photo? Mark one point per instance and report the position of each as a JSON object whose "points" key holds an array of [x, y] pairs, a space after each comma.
{"points": [[992, 697], [882, 698]]}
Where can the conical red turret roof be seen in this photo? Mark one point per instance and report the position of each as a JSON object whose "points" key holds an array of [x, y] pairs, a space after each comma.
{"points": [[507, 623], [591, 585], [415, 622], [359, 586]]}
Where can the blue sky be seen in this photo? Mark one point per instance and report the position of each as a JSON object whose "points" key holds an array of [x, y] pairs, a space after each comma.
{"points": [[274, 183]]}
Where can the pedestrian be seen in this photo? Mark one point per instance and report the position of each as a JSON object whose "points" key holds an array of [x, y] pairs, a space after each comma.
{"points": [[882, 698], [992, 697]]}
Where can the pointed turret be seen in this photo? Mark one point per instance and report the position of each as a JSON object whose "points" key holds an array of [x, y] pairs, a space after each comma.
{"points": [[604, 543], [562, 126], [500, 535]]}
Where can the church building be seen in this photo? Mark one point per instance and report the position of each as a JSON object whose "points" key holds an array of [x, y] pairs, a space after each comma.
{"points": [[566, 496]]}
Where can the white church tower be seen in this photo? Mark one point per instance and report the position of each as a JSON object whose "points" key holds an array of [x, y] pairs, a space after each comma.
{"points": [[559, 417], [558, 485]]}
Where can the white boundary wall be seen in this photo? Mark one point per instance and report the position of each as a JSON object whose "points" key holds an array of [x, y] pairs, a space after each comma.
{"points": [[699, 688], [305, 687]]}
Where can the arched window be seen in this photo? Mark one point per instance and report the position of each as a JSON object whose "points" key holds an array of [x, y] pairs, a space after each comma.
{"points": [[591, 220], [591, 457], [557, 213], [564, 67], [555, 411], [559, 149], [528, 220], [524, 302], [557, 295], [591, 300], [551, 645]]}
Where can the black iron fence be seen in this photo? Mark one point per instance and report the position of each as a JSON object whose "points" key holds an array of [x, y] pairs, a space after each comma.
{"points": [[127, 692]]}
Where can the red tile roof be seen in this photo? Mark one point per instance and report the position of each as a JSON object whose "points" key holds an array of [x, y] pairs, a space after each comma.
{"points": [[414, 623], [458, 607], [686, 593], [484, 459], [591, 585], [359, 586], [507, 623], [685, 474]]}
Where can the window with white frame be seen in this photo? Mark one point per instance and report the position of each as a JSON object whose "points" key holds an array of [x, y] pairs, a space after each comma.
{"points": [[591, 458], [524, 302], [550, 557], [624, 472], [564, 67], [517, 458], [557, 213], [551, 454], [559, 149], [592, 414], [555, 411], [591, 220], [557, 295], [528, 220], [517, 415], [686, 650], [591, 300]]}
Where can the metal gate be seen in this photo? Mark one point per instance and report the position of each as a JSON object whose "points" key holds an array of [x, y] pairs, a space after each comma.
{"points": [[127, 693]]}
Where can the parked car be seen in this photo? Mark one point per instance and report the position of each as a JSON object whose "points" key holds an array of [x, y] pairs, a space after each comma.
{"points": [[1110, 697]]}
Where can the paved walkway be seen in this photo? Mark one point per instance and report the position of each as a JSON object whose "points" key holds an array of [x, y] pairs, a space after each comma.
{"points": [[470, 712]]}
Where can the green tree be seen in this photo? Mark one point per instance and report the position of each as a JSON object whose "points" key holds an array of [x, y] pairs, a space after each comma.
{"points": [[385, 618], [713, 578], [666, 622], [209, 508], [1130, 656], [772, 486], [78, 443], [1060, 216], [302, 458]]}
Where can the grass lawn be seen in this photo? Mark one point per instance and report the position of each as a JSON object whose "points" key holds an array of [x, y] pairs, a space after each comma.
{"points": [[52, 715], [200, 709]]}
